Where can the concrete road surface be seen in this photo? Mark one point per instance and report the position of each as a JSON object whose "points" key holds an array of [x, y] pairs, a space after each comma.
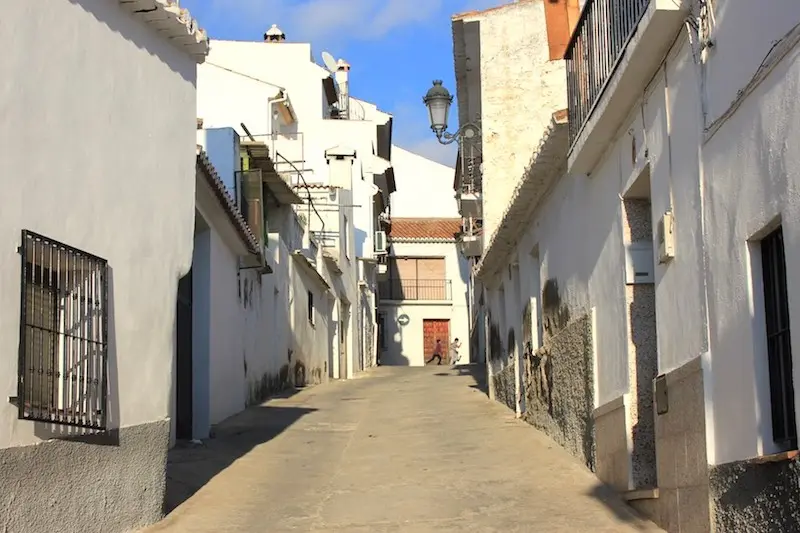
{"points": [[398, 450]]}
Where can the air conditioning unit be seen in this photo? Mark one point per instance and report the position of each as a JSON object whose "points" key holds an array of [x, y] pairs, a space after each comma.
{"points": [[380, 242]]}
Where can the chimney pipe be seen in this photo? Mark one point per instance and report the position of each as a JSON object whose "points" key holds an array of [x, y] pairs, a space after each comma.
{"points": [[274, 35], [342, 77]]}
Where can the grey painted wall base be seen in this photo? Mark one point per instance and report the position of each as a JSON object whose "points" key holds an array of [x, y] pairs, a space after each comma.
{"points": [[683, 498], [756, 496], [559, 389], [71, 486], [505, 388], [611, 433]]}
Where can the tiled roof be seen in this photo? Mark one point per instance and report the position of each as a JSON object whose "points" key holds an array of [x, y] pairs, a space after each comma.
{"points": [[425, 228], [228, 204], [173, 22]]}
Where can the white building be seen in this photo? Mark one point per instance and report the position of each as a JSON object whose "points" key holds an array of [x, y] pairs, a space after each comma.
{"points": [[642, 244], [101, 222], [334, 152], [424, 292]]}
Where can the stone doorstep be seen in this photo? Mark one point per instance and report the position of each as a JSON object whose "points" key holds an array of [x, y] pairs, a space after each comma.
{"points": [[774, 458], [652, 494], [641, 494]]}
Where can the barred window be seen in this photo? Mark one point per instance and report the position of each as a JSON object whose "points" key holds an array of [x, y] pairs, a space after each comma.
{"points": [[779, 339], [63, 334]]}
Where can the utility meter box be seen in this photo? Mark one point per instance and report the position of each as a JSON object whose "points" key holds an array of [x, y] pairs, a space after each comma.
{"points": [[639, 264]]}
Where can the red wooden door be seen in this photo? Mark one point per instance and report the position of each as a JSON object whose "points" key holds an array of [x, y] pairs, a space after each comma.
{"points": [[433, 329]]}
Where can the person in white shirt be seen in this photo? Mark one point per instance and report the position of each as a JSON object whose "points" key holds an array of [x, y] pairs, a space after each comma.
{"points": [[454, 356]]}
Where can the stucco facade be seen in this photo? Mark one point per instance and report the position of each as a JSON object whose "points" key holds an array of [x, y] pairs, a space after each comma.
{"points": [[123, 191], [403, 341], [339, 179], [508, 43], [637, 275], [435, 291]]}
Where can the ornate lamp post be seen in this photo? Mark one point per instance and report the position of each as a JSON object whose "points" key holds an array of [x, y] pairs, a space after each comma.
{"points": [[438, 100]]}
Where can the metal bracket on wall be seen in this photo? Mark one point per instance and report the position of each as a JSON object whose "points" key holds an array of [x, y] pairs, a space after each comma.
{"points": [[661, 395]]}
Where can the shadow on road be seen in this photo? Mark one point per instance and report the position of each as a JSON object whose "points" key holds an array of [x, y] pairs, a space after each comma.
{"points": [[624, 512], [476, 370], [190, 466]]}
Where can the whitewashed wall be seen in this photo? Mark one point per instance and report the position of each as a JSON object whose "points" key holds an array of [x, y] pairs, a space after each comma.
{"points": [[424, 187], [514, 113], [403, 345], [751, 171], [99, 191]]}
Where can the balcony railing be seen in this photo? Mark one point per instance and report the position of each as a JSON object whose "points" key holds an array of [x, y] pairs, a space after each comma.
{"points": [[592, 55], [415, 289]]}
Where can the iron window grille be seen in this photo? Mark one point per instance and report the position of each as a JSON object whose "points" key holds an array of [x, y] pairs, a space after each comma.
{"points": [[63, 347], [779, 348]]}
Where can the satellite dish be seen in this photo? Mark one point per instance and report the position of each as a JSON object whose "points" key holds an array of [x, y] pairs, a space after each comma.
{"points": [[330, 62]]}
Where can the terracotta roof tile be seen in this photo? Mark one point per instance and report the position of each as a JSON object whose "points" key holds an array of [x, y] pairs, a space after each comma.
{"points": [[425, 228]]}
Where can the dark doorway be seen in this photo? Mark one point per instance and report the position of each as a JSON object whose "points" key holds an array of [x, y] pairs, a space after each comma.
{"points": [[183, 389]]}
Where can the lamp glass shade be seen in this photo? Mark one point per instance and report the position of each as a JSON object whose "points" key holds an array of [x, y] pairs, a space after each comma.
{"points": [[438, 100], [438, 110]]}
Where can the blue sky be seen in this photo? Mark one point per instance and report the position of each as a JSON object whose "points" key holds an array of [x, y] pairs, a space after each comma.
{"points": [[396, 48]]}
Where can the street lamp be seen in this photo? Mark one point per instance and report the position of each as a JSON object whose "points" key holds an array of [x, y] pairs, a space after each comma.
{"points": [[438, 100]]}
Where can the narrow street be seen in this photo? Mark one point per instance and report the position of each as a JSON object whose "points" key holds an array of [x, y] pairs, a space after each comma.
{"points": [[401, 449]]}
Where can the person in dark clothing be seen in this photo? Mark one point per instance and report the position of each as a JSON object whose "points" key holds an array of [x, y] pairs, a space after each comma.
{"points": [[437, 353]]}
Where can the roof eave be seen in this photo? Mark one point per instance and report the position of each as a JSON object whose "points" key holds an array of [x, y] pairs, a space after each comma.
{"points": [[173, 22], [226, 203]]}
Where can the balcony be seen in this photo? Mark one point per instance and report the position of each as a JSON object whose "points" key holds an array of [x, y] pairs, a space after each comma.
{"points": [[403, 290], [470, 200], [471, 245], [615, 50]]}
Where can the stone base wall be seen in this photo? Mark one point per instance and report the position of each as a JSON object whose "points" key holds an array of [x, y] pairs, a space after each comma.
{"points": [[756, 495], [505, 389], [559, 389], [611, 431], [101, 484], [682, 466]]}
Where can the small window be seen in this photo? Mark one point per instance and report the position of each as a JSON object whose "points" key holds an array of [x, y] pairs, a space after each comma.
{"points": [[64, 334], [779, 346], [311, 308], [345, 243]]}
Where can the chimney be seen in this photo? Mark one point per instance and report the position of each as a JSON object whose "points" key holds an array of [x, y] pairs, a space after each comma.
{"points": [[274, 35], [561, 17], [342, 77]]}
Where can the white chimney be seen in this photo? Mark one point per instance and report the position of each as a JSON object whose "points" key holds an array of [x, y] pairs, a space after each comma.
{"points": [[342, 77], [274, 35]]}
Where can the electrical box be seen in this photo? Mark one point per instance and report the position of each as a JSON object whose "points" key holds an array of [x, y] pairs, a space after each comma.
{"points": [[639, 266], [666, 238]]}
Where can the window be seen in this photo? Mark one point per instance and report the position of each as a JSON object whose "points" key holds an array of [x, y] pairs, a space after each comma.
{"points": [[63, 345], [345, 240], [311, 308], [416, 278], [382, 330], [779, 349]]}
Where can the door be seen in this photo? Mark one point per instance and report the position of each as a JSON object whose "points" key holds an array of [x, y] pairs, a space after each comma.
{"points": [[344, 319], [183, 386], [433, 329]]}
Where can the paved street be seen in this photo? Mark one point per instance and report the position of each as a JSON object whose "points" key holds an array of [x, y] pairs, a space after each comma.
{"points": [[405, 450]]}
